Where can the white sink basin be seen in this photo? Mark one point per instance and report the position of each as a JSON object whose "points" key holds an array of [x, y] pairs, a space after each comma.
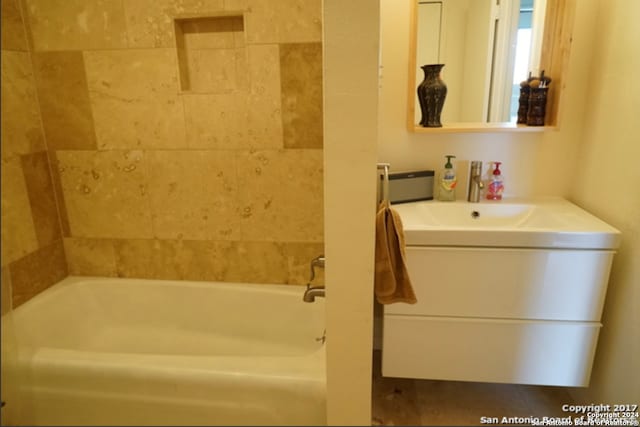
{"points": [[540, 222]]}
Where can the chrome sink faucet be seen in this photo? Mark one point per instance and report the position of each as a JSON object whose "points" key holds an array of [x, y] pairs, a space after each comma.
{"points": [[475, 182]]}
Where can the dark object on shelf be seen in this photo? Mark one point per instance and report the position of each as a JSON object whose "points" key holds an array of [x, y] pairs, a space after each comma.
{"points": [[523, 104], [532, 103], [431, 95], [537, 106]]}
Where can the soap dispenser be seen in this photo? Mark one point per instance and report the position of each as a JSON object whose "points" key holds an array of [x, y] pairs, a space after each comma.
{"points": [[447, 182], [496, 183]]}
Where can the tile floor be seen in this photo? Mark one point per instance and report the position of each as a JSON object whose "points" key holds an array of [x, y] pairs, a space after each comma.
{"points": [[398, 401]]}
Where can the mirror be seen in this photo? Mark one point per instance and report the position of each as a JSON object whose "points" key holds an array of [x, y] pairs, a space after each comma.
{"points": [[488, 47]]}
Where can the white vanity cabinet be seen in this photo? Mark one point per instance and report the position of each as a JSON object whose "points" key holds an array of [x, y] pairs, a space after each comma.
{"points": [[522, 315], [528, 316]]}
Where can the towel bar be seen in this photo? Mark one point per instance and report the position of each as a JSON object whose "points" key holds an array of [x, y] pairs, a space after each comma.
{"points": [[385, 180]]}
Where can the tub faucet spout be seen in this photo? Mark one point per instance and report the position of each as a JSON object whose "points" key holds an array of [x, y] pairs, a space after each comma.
{"points": [[312, 292], [475, 182]]}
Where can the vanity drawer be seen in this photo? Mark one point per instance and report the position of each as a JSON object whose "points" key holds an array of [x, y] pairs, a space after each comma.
{"points": [[507, 283], [489, 350]]}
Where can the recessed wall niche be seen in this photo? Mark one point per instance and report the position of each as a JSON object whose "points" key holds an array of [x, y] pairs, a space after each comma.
{"points": [[211, 54]]}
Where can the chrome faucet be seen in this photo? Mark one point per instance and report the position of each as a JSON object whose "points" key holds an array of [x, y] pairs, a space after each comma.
{"points": [[316, 262], [475, 182], [312, 292]]}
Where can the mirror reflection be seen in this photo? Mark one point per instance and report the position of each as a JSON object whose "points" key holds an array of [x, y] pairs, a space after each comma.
{"points": [[488, 47]]}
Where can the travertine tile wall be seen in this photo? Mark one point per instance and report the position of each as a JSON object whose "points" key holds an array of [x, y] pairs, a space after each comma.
{"points": [[32, 249], [222, 181]]}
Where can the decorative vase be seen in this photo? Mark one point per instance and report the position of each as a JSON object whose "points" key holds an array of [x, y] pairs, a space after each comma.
{"points": [[537, 106], [431, 94], [523, 105]]}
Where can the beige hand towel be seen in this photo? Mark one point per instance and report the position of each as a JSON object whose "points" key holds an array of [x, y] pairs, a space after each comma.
{"points": [[392, 283]]}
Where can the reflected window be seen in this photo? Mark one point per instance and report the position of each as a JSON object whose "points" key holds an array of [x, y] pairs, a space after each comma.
{"points": [[523, 54]]}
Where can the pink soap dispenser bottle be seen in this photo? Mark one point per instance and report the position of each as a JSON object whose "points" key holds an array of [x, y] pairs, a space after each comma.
{"points": [[496, 184]]}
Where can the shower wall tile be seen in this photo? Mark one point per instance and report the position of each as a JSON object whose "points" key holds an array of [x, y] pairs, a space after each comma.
{"points": [[236, 5], [221, 181], [134, 97], [264, 104], [216, 70], [41, 197], [20, 122], [264, 124], [301, 80], [194, 194], [77, 24], [166, 259], [242, 119], [202, 260], [281, 195], [18, 232], [37, 271], [106, 193], [13, 34], [264, 71], [59, 194], [150, 22], [5, 296], [60, 76], [284, 21], [216, 121], [253, 262], [90, 257], [29, 217]]}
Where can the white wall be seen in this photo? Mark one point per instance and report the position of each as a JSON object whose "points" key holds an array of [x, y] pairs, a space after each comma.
{"points": [[351, 46], [592, 159], [607, 180]]}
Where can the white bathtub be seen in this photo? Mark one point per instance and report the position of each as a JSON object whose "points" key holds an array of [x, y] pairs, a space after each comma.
{"points": [[96, 351]]}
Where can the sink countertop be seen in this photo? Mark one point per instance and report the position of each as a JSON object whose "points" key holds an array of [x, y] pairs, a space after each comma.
{"points": [[541, 222]]}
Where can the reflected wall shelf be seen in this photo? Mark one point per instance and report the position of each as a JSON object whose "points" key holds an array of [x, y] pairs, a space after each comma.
{"points": [[482, 127]]}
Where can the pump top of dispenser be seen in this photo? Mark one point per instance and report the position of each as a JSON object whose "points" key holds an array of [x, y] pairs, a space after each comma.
{"points": [[496, 171], [496, 184], [448, 165], [447, 181]]}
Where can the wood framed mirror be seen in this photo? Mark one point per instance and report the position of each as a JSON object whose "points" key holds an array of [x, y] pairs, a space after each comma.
{"points": [[479, 37]]}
